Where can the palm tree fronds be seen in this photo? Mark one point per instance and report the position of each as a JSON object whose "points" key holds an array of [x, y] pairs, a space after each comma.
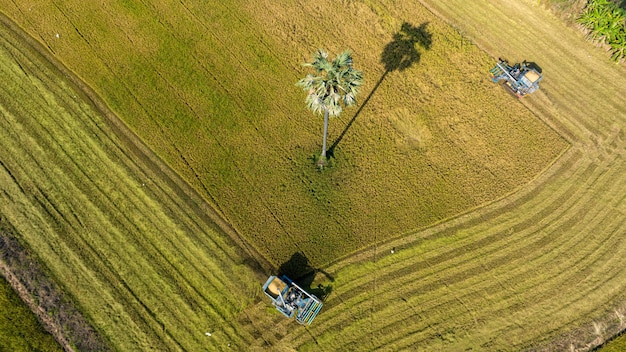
{"points": [[336, 82]]}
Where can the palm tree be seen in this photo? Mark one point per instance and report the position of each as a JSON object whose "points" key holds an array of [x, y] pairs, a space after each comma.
{"points": [[335, 83]]}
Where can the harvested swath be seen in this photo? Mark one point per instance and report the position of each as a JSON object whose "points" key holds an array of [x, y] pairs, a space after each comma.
{"points": [[528, 269], [145, 265]]}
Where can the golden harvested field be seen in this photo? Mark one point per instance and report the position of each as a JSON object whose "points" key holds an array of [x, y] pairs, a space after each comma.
{"points": [[212, 91], [483, 222], [142, 255]]}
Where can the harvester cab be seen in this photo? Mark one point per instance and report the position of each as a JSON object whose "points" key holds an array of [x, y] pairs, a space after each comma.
{"points": [[291, 300], [521, 78]]}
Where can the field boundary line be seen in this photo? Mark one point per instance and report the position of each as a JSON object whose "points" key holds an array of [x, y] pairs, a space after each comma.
{"points": [[489, 208], [559, 165]]}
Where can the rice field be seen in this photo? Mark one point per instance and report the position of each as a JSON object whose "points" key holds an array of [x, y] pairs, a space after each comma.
{"points": [[541, 270], [148, 267], [432, 141], [518, 245]]}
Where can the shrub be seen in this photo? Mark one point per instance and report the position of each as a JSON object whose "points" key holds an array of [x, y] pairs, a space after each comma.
{"points": [[607, 24]]}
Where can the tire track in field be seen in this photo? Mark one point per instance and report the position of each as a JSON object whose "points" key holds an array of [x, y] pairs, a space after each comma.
{"points": [[156, 165], [391, 295], [401, 269], [170, 28], [615, 189], [56, 217], [140, 151], [540, 220], [536, 299], [406, 268]]}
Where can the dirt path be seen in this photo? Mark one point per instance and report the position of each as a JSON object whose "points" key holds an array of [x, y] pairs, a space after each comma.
{"points": [[41, 314]]}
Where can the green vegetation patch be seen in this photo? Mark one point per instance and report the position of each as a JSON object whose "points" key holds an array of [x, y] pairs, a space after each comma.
{"points": [[616, 345], [606, 22], [19, 328]]}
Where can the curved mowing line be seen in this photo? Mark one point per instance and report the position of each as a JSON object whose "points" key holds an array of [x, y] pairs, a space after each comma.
{"points": [[606, 183], [557, 216], [402, 281], [114, 145], [101, 248], [90, 253], [406, 322], [408, 264], [548, 287], [599, 182], [172, 87]]}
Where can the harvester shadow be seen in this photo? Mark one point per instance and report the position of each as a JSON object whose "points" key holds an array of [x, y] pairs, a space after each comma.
{"points": [[298, 269], [533, 65], [398, 55], [530, 64]]}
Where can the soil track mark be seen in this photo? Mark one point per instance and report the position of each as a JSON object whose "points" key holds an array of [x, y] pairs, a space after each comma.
{"points": [[516, 273]]}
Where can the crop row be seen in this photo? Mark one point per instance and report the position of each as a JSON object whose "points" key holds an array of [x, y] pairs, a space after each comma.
{"points": [[538, 270], [146, 269]]}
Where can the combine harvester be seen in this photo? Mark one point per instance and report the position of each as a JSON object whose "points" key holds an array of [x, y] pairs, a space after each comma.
{"points": [[291, 300], [521, 79]]}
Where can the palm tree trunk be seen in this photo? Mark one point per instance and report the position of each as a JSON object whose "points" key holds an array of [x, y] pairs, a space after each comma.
{"points": [[325, 133], [321, 162]]}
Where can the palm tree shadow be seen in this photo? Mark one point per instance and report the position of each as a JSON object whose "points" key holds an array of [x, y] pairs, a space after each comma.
{"points": [[399, 54]]}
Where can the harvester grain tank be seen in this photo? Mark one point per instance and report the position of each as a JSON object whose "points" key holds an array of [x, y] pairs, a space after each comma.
{"points": [[521, 78], [291, 300]]}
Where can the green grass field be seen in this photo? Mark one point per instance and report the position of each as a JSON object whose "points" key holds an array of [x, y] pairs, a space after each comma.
{"points": [[432, 142], [19, 328], [497, 244], [616, 345]]}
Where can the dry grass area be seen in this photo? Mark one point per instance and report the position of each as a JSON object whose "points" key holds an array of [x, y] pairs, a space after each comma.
{"points": [[212, 92]]}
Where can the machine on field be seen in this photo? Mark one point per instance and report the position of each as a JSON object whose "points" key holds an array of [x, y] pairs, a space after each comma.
{"points": [[521, 78], [291, 300]]}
